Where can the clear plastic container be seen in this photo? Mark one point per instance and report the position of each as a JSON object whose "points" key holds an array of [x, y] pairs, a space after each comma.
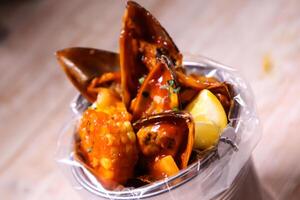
{"points": [[218, 176]]}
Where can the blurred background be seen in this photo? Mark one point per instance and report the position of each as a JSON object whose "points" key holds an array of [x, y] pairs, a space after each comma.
{"points": [[260, 38]]}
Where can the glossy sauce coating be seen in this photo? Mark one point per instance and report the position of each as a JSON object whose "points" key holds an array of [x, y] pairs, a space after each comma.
{"points": [[136, 121], [167, 134], [160, 139], [142, 41], [158, 93]]}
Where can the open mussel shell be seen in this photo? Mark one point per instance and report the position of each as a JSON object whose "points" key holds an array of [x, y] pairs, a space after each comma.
{"points": [[83, 64], [143, 42], [184, 136]]}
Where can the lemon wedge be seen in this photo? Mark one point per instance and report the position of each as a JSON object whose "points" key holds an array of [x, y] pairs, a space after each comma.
{"points": [[209, 117], [206, 134]]}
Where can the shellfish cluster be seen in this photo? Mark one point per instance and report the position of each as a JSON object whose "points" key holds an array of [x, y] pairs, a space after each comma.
{"points": [[147, 115]]}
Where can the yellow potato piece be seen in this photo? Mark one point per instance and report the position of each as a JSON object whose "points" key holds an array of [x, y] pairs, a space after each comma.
{"points": [[164, 167], [209, 117]]}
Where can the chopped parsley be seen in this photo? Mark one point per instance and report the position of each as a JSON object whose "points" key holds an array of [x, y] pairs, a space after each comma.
{"points": [[176, 90], [141, 80], [171, 83], [175, 109]]}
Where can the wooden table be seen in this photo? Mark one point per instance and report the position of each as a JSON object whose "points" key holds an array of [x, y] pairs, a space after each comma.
{"points": [[35, 94]]}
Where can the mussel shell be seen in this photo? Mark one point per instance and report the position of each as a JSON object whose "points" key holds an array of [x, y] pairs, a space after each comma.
{"points": [[142, 39], [196, 82], [192, 84], [83, 64], [224, 93], [181, 118]]}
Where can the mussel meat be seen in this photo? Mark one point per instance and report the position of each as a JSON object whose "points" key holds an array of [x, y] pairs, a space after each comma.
{"points": [[166, 134]]}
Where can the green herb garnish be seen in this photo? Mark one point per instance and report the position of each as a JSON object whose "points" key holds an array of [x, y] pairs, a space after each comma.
{"points": [[171, 83], [176, 90], [141, 80], [175, 109]]}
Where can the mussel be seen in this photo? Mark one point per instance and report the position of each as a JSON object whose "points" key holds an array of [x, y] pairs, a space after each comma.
{"points": [[143, 42], [165, 134], [158, 93], [83, 64]]}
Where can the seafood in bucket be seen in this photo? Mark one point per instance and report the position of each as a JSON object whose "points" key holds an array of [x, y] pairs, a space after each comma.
{"points": [[147, 117]]}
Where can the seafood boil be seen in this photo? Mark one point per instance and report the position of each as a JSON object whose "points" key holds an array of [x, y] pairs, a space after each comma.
{"points": [[148, 118]]}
